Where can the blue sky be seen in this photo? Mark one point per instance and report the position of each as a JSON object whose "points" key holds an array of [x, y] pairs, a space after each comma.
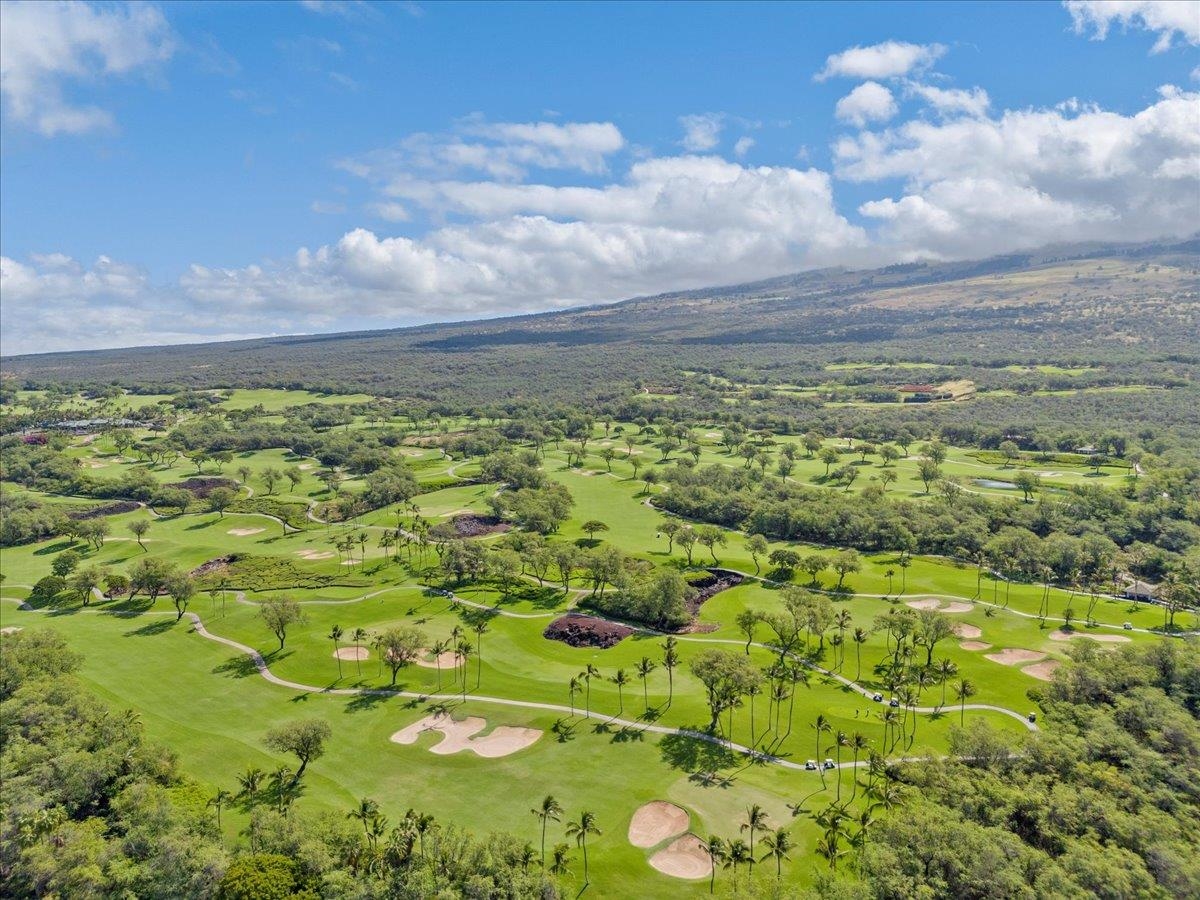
{"points": [[200, 171]]}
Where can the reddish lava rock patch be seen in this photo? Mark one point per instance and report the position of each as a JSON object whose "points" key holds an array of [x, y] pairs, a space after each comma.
{"points": [[115, 508], [468, 526], [214, 565], [586, 631], [711, 584]]}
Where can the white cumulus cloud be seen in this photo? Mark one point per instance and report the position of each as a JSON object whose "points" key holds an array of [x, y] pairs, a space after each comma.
{"points": [[869, 102], [1168, 19], [701, 132], [45, 46], [890, 59]]}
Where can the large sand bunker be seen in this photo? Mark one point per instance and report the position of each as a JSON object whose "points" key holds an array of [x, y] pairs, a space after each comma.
{"points": [[963, 630], [684, 858], [315, 554], [940, 605], [1042, 671], [655, 822], [245, 532], [457, 736], [354, 654], [1014, 656], [447, 660], [1103, 638], [924, 603], [975, 645], [955, 606]]}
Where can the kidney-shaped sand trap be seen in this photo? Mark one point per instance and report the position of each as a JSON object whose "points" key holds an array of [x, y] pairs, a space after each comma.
{"points": [[447, 660], [456, 736], [655, 822], [963, 630], [952, 606], [684, 858], [1014, 656], [351, 653], [975, 645], [1104, 638]]}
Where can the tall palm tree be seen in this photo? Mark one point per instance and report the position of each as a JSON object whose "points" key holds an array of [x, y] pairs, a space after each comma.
{"points": [[778, 844], [335, 635], [735, 855], [465, 650], [359, 637], [670, 661], [573, 688], [218, 800], [756, 818], [964, 690], [644, 668], [779, 693], [580, 831], [946, 669], [841, 622], [364, 811], [550, 810], [821, 726], [859, 637], [842, 740], [438, 648], [717, 851], [858, 743], [620, 679], [251, 782], [587, 675], [479, 628]]}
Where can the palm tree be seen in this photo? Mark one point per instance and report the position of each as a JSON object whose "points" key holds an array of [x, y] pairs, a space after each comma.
{"points": [[359, 637], [644, 668], [946, 669], [670, 661], [218, 800], [829, 846], [963, 689], [858, 743], [573, 688], [778, 844], [562, 853], [736, 854], [549, 810], [842, 740], [587, 675], [859, 637], [620, 680], [756, 817], [580, 831], [251, 782], [479, 628], [821, 726], [366, 809], [438, 648], [717, 851], [335, 635], [464, 651]]}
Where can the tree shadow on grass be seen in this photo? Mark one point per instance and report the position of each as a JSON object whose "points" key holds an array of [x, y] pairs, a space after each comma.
{"points": [[628, 735], [152, 628], [692, 754], [239, 666], [367, 702]]}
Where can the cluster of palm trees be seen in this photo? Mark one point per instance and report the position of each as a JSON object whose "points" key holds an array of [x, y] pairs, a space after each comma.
{"points": [[844, 828], [457, 641], [582, 683], [550, 810], [729, 854]]}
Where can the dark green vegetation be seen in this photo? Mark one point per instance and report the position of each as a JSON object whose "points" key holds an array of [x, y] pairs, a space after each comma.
{"points": [[730, 473]]}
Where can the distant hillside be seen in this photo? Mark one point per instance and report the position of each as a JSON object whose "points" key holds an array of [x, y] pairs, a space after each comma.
{"points": [[1132, 308]]}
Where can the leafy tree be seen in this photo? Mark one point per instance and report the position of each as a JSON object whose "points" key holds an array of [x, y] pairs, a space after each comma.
{"points": [[399, 646], [280, 614], [304, 738]]}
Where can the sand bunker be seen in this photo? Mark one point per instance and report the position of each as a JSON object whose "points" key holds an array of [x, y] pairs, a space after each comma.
{"points": [[684, 858], [1013, 656], [1042, 671], [975, 645], [353, 654], [457, 736], [1103, 638], [245, 532], [447, 660], [963, 630], [315, 554], [11, 629], [956, 607], [925, 603], [304, 467], [655, 822]]}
